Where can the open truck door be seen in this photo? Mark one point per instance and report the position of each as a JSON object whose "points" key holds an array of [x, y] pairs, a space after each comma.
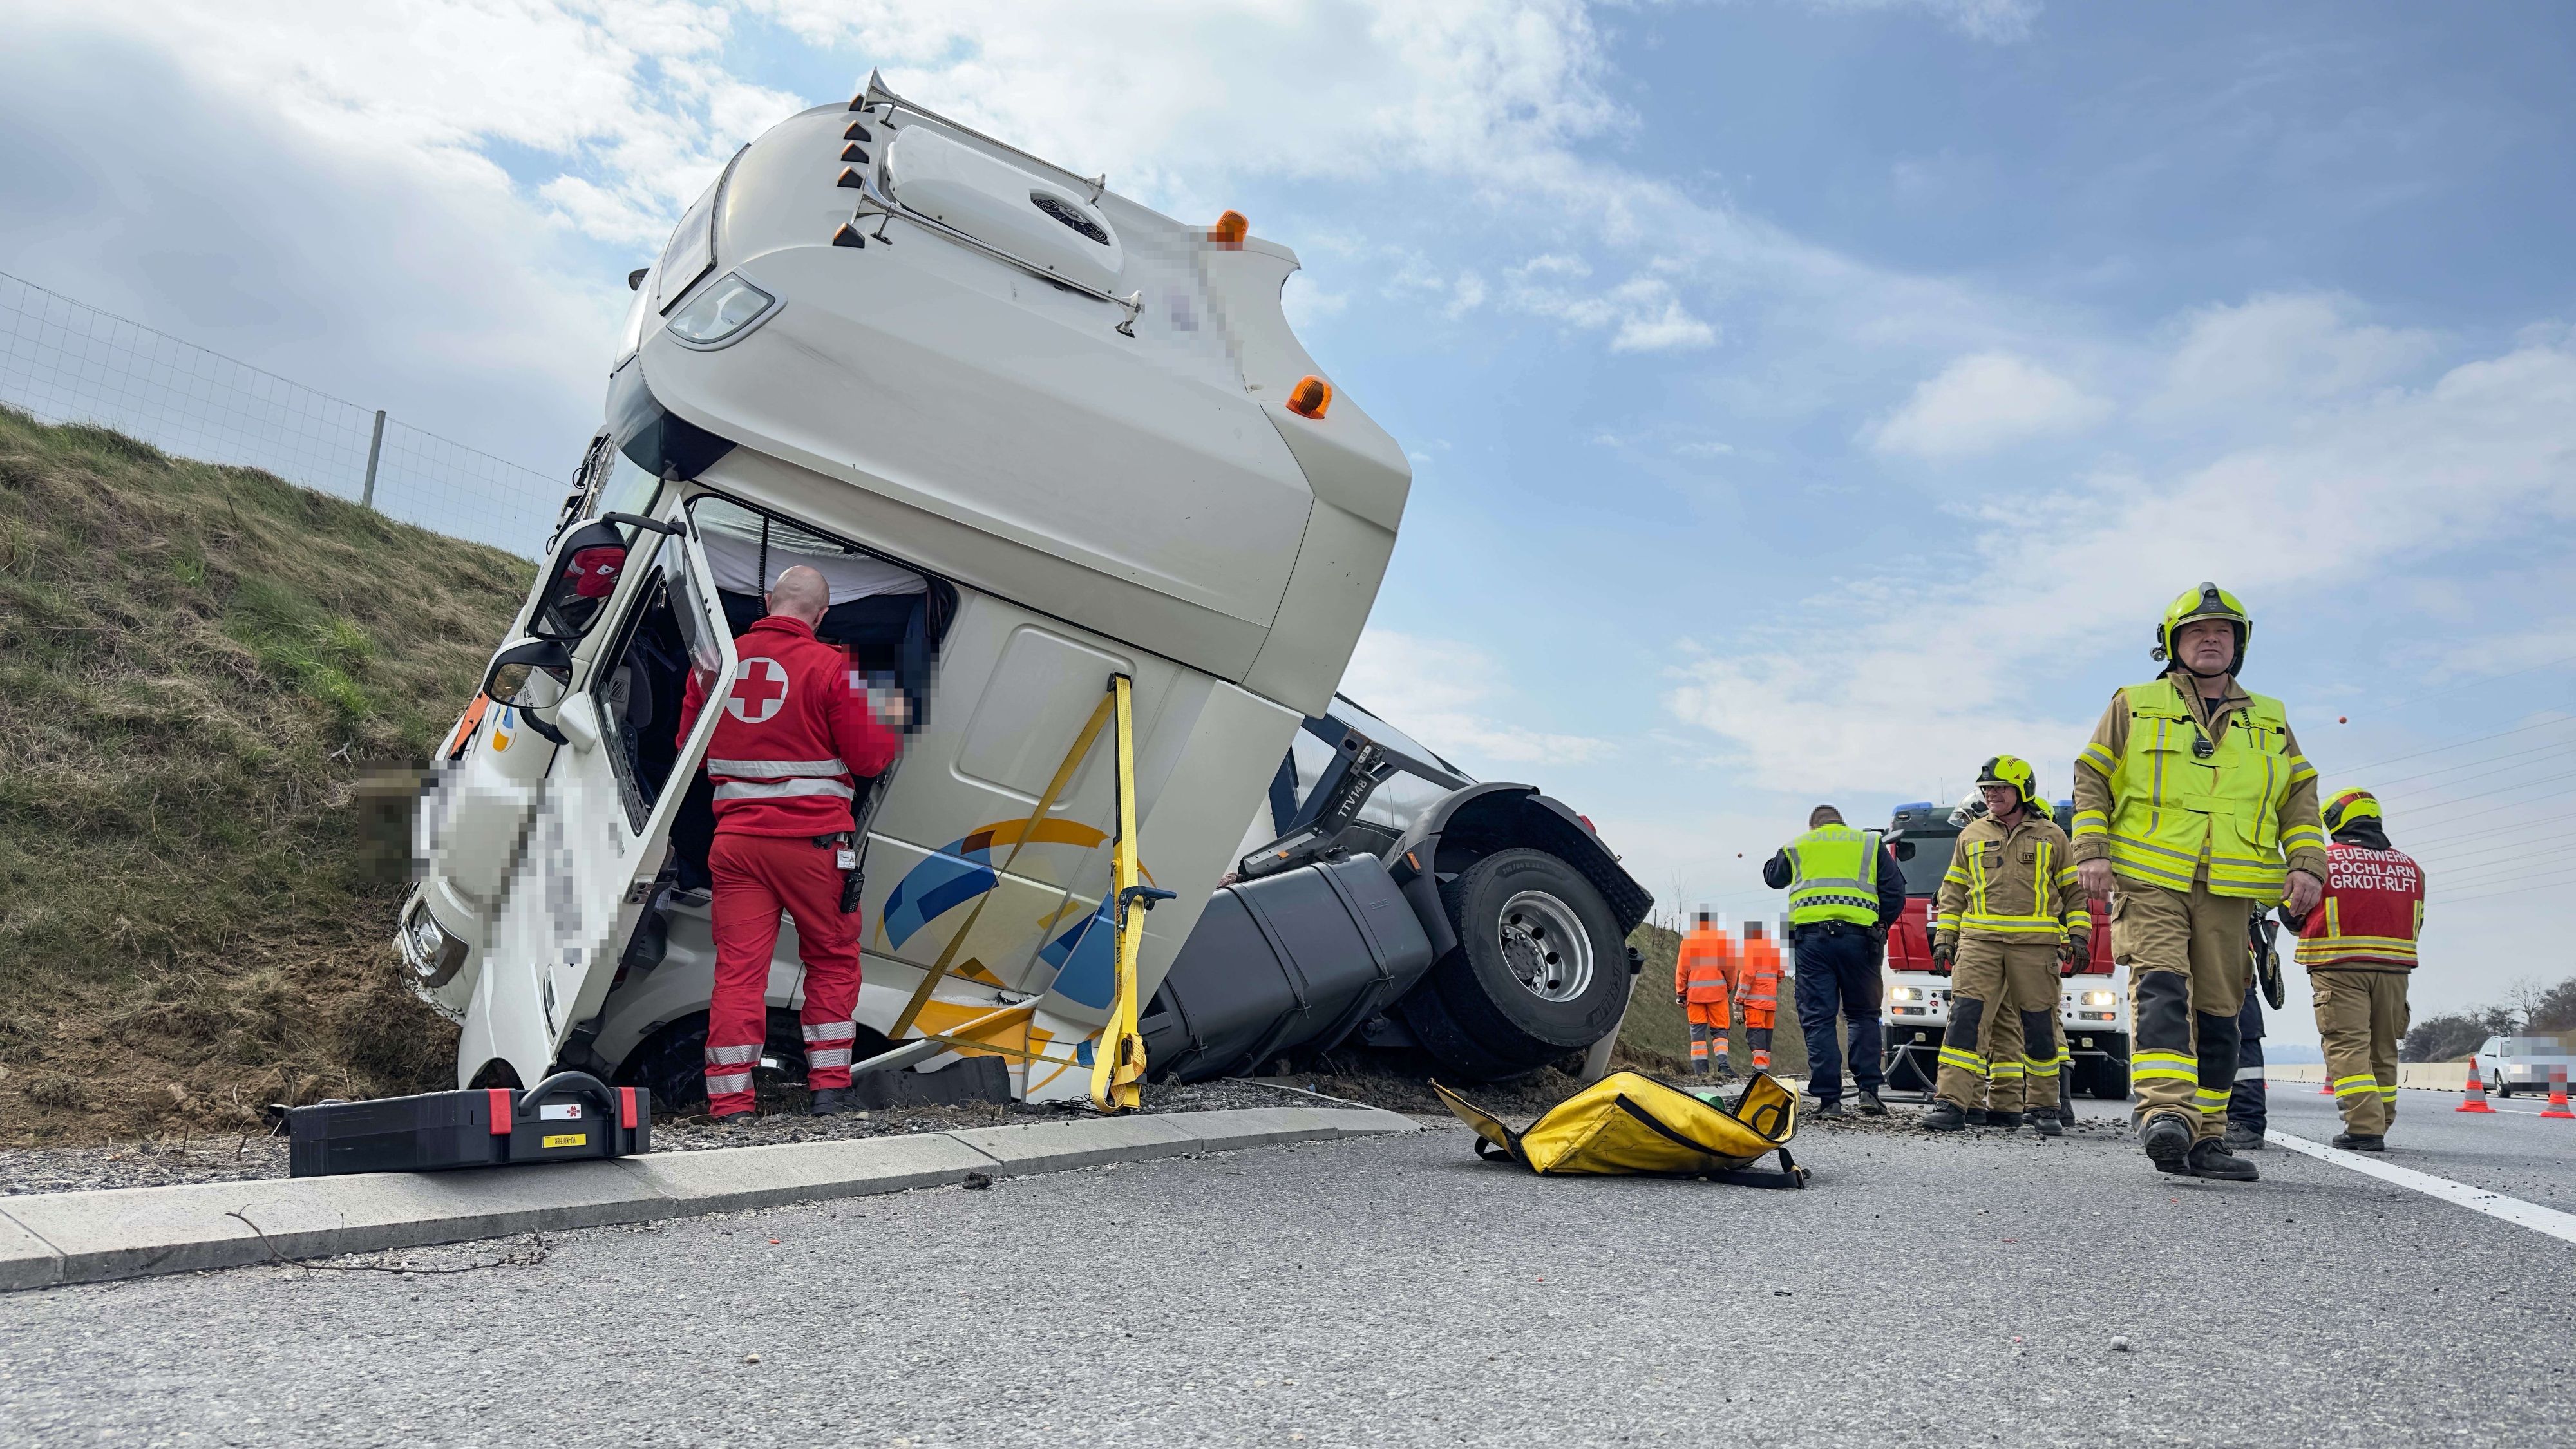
{"points": [[605, 809]]}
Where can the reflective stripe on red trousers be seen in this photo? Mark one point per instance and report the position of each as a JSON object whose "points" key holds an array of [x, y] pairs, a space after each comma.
{"points": [[757, 877]]}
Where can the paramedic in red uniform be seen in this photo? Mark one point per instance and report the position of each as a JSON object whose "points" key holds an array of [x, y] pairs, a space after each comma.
{"points": [[796, 735]]}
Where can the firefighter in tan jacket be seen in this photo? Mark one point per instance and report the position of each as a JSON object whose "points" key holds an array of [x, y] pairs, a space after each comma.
{"points": [[2012, 922], [2193, 810]]}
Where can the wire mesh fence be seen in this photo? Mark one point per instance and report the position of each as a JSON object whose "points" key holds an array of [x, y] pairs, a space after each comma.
{"points": [[63, 361]]}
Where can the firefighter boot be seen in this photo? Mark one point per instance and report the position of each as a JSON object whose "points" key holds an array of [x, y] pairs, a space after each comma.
{"points": [[2046, 1124], [2241, 1138], [1976, 1116], [2003, 1121], [2065, 1094], [1870, 1106], [2351, 1142], [2167, 1138], [1945, 1117], [2209, 1157], [833, 1101]]}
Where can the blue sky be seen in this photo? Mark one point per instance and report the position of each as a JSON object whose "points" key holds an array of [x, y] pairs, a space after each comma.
{"points": [[1807, 399]]}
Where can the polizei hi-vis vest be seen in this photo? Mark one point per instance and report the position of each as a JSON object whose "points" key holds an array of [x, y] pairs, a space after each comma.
{"points": [[2174, 807], [1835, 876]]}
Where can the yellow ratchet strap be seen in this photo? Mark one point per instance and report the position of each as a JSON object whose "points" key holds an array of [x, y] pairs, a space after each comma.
{"points": [[1118, 1059]]}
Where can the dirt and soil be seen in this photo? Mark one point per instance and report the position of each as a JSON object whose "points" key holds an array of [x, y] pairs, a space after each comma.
{"points": [[207, 679]]}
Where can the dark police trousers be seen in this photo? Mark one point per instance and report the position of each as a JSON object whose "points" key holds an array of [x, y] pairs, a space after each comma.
{"points": [[2246, 1104], [1838, 973]]}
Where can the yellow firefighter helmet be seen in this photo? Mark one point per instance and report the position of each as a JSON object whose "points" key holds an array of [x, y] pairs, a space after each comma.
{"points": [[2209, 601]]}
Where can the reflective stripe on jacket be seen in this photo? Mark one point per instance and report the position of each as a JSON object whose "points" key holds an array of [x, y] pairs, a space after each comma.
{"points": [[1757, 977], [2015, 882], [795, 734], [1705, 968], [2371, 915], [2168, 815], [1834, 876]]}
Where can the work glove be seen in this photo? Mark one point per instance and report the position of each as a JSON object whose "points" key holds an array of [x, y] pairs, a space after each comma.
{"points": [[2074, 954], [1681, 998], [1945, 951]]}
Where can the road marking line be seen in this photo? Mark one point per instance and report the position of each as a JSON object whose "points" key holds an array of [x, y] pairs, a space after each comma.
{"points": [[2476, 1199]]}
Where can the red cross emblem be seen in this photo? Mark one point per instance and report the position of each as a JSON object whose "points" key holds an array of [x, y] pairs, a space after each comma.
{"points": [[760, 692]]}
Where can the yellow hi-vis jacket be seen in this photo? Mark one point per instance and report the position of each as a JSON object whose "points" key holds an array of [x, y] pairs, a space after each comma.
{"points": [[1835, 876], [1632, 1124], [2168, 815], [2018, 884]]}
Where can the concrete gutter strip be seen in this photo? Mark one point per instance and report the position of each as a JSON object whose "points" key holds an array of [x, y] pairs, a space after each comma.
{"points": [[88, 1237]]}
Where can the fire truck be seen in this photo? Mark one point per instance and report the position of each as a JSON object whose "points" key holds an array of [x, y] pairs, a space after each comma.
{"points": [[2093, 1004]]}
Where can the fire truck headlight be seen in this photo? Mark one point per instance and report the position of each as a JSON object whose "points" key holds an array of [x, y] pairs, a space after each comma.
{"points": [[2099, 998], [1909, 993]]}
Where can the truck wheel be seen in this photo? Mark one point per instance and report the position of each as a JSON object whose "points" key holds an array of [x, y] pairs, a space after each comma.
{"points": [[1539, 971], [672, 1064]]}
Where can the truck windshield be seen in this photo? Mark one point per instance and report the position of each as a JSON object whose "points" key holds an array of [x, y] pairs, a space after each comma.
{"points": [[1388, 735], [1931, 860]]}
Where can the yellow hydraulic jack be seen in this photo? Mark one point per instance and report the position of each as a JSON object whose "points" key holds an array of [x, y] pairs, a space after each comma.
{"points": [[1118, 1059]]}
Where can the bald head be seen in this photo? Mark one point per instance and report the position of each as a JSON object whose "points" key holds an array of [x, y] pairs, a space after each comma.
{"points": [[1824, 815], [801, 594]]}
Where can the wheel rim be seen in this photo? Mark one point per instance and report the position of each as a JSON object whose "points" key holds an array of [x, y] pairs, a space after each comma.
{"points": [[1545, 947]]}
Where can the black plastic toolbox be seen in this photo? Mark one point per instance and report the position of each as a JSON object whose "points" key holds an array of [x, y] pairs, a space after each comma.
{"points": [[568, 1117]]}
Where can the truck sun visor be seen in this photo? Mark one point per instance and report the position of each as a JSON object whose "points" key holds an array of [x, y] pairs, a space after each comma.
{"points": [[651, 437]]}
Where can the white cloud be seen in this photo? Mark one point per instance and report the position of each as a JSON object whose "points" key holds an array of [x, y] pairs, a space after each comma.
{"points": [[1983, 402], [2337, 492], [2270, 350], [1642, 313], [1993, 20], [1447, 695]]}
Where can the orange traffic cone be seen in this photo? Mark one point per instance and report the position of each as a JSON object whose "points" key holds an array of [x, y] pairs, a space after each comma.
{"points": [[2476, 1100], [2557, 1094]]}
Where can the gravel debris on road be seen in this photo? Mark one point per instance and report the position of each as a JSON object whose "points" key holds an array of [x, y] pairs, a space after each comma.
{"points": [[174, 1159]]}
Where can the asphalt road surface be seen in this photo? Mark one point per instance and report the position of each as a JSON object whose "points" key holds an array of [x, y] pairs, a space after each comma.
{"points": [[1934, 1291]]}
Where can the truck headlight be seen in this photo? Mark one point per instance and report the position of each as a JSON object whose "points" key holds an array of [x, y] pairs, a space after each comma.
{"points": [[431, 953], [1909, 993], [722, 314], [2099, 998]]}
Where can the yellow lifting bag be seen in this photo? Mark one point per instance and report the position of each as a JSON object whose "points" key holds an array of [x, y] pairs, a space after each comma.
{"points": [[1627, 1123]]}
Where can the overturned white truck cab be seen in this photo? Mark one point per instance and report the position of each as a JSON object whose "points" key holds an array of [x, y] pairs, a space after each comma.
{"points": [[1035, 436]]}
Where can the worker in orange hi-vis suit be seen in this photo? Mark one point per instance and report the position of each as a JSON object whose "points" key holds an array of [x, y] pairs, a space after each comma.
{"points": [[1704, 984], [1757, 991]]}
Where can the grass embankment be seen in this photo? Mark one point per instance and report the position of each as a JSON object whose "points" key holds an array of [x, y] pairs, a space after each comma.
{"points": [[201, 668]]}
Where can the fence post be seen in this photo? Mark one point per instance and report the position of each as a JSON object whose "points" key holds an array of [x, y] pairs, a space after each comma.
{"points": [[375, 446]]}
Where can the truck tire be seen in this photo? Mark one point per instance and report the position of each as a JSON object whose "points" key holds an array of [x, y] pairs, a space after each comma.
{"points": [[1541, 969], [672, 1063]]}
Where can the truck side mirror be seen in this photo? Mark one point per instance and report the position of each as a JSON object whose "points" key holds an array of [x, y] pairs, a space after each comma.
{"points": [[532, 674], [583, 574], [1904, 849]]}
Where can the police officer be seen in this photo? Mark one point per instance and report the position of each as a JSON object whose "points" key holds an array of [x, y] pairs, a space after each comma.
{"points": [[1844, 889], [2188, 799], [2013, 922]]}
